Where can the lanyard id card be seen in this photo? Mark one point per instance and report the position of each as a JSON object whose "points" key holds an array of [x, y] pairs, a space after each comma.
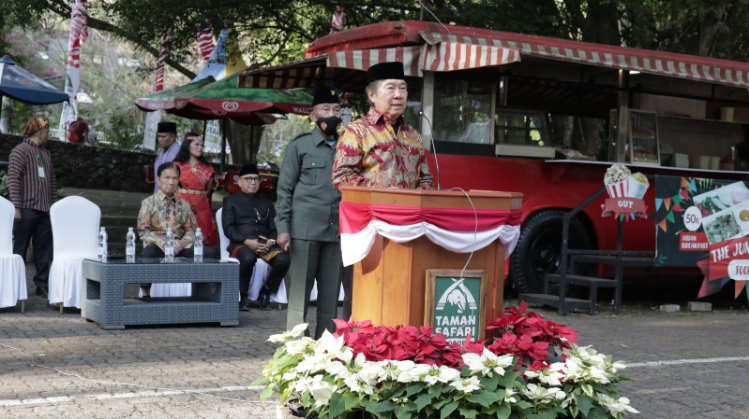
{"points": [[41, 171]]}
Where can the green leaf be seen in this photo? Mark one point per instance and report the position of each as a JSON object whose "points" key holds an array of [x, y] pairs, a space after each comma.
{"points": [[500, 394], [503, 412], [436, 389], [384, 406], [337, 404], [259, 381], [422, 400], [414, 388], [402, 413], [447, 409], [438, 404], [468, 413], [267, 392], [370, 405], [352, 400], [465, 371], [574, 410], [584, 403], [305, 398], [509, 380], [523, 404], [483, 398], [490, 384]]}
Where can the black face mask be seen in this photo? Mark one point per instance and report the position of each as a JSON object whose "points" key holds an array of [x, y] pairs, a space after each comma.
{"points": [[329, 125]]}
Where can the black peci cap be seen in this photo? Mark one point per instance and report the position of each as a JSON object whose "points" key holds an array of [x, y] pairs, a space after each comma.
{"points": [[326, 94], [248, 169], [167, 127], [384, 71]]}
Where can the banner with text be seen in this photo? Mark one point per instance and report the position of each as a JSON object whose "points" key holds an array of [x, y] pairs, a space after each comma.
{"points": [[149, 133], [696, 216]]}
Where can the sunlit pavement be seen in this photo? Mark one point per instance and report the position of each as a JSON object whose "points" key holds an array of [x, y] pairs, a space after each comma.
{"points": [[220, 363]]}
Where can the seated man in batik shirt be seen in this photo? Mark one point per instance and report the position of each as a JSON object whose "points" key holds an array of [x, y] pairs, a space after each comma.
{"points": [[380, 150], [163, 210]]}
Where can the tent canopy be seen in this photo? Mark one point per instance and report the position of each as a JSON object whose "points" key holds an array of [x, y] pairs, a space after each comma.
{"points": [[21, 85], [223, 99]]}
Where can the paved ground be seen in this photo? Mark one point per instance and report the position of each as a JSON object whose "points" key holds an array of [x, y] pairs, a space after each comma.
{"points": [[222, 362]]}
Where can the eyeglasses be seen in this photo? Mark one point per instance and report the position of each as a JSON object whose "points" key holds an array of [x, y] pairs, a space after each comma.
{"points": [[251, 179]]}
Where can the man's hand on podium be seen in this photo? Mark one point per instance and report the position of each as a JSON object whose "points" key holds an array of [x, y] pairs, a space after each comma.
{"points": [[284, 240]]}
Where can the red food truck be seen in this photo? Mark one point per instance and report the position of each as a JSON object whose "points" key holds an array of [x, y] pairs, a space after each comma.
{"points": [[541, 116]]}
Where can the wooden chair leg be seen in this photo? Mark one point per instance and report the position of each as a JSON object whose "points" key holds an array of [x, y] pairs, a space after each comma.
{"points": [[23, 306], [60, 308]]}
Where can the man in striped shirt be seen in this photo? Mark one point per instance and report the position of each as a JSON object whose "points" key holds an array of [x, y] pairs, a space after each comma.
{"points": [[33, 189]]}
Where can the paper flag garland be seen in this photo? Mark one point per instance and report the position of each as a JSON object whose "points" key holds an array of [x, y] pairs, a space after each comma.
{"points": [[684, 182], [692, 186], [677, 208], [667, 203], [662, 225], [685, 194], [739, 287], [670, 216], [677, 198], [658, 202]]}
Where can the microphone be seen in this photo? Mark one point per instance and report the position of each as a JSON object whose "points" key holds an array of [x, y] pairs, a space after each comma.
{"points": [[419, 111]]}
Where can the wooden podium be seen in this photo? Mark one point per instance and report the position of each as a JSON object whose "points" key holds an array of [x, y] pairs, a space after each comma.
{"points": [[390, 282]]}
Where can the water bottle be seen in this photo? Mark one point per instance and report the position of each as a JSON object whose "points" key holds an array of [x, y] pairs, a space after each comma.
{"points": [[102, 245], [198, 246], [130, 246], [169, 246]]}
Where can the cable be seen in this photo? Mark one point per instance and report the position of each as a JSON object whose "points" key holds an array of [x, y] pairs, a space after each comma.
{"points": [[116, 383], [434, 16], [475, 231]]}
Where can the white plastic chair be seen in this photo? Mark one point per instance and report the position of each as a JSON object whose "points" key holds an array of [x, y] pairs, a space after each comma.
{"points": [[12, 267], [259, 274], [75, 234]]}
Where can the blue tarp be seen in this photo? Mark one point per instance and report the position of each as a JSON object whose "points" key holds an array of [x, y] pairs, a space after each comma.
{"points": [[20, 85]]}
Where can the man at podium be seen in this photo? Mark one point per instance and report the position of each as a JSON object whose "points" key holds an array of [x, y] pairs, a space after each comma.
{"points": [[379, 150]]}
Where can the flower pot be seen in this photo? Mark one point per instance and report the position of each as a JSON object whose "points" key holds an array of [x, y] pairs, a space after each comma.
{"points": [[292, 410]]}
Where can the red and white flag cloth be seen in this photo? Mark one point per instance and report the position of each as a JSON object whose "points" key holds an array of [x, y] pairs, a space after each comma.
{"points": [[205, 42], [78, 35], [158, 83], [452, 228], [338, 18]]}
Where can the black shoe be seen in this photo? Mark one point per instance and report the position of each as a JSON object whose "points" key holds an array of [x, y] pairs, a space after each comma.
{"points": [[244, 304], [42, 292], [264, 299]]}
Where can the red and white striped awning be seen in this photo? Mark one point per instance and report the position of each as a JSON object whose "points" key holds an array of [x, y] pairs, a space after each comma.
{"points": [[655, 62], [449, 55], [363, 59]]}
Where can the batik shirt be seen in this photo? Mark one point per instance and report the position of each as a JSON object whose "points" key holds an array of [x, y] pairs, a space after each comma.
{"points": [[371, 154], [158, 212]]}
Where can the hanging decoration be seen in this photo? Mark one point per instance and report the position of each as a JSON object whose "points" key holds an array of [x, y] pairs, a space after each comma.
{"points": [[205, 41], [78, 36], [158, 83], [338, 19]]}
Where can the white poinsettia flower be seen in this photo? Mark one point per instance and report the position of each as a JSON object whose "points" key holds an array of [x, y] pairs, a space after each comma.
{"points": [[541, 394], [508, 396], [302, 384], [321, 390], [337, 369], [487, 363], [467, 384], [405, 368], [329, 344], [314, 363], [297, 347], [550, 376], [363, 375], [289, 375], [442, 374], [615, 406], [283, 337]]}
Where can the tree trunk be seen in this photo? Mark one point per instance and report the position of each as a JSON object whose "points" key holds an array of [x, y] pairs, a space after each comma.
{"points": [[601, 23], [709, 28], [237, 136], [6, 109]]}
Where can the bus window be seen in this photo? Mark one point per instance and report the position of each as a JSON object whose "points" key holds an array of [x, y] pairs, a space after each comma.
{"points": [[462, 111]]}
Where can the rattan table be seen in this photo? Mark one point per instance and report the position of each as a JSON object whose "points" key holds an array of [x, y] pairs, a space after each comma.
{"points": [[215, 287]]}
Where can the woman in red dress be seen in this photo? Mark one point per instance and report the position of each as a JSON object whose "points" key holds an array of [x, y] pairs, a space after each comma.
{"points": [[196, 180]]}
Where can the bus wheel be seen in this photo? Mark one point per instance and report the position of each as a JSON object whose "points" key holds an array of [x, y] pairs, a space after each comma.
{"points": [[539, 249]]}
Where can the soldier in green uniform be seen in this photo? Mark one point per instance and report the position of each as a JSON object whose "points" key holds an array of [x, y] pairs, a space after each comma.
{"points": [[307, 214]]}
